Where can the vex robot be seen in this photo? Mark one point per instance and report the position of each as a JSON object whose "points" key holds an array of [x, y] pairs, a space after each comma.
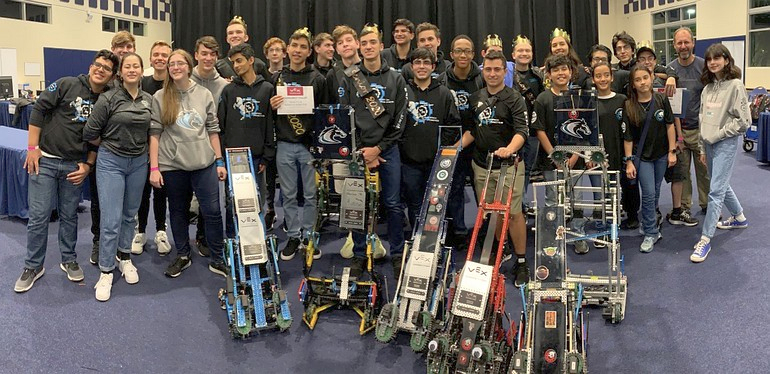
{"points": [[253, 297], [420, 300], [334, 142], [475, 338]]}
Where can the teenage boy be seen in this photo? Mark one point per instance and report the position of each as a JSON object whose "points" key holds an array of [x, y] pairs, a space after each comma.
{"points": [[346, 44], [205, 74], [56, 167], [624, 46], [323, 47], [245, 120], [380, 123], [463, 78], [600, 53], [275, 52], [151, 84], [293, 133], [501, 127], [398, 54], [430, 105], [428, 36], [237, 33]]}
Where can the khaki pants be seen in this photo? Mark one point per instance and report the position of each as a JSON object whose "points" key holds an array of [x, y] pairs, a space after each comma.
{"points": [[480, 175], [692, 151]]}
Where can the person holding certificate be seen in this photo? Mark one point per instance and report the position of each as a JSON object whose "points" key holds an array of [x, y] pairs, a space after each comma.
{"points": [[299, 88]]}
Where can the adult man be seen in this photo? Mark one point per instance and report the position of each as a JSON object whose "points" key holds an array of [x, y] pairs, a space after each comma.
{"points": [[151, 84], [237, 33], [430, 106], [245, 120], [501, 127], [122, 42], [428, 36], [494, 43], [463, 78], [380, 123], [55, 154], [293, 136], [205, 74], [398, 54], [689, 67], [323, 46]]}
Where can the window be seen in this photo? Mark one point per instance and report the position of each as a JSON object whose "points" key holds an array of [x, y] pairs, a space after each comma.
{"points": [[10, 9], [36, 13], [108, 24], [664, 25], [21, 10], [759, 33], [138, 29]]}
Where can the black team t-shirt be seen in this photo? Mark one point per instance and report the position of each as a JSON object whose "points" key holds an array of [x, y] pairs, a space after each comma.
{"points": [[610, 111], [656, 143]]}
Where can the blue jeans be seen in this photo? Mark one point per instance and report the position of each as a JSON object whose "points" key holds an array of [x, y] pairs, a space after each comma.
{"points": [[390, 182], [414, 178], [720, 158], [650, 175], [46, 188], [292, 158], [180, 185], [122, 179]]}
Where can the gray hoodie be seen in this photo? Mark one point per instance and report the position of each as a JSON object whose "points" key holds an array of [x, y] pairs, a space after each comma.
{"points": [[724, 111], [185, 145], [215, 84]]}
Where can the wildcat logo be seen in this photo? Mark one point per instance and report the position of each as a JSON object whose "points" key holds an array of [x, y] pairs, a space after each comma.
{"points": [[247, 107], [619, 114], [332, 135], [659, 115], [577, 128], [461, 99], [421, 111], [189, 120], [487, 116], [82, 109]]}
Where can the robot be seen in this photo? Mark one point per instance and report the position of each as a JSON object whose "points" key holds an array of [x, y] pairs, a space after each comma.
{"points": [[253, 297], [474, 338], [358, 210], [420, 299]]}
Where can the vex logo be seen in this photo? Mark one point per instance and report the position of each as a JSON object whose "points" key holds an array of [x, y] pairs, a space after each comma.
{"points": [[477, 270]]}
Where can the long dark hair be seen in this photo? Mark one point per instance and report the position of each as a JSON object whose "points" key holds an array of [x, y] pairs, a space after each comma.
{"points": [[633, 110], [730, 70]]}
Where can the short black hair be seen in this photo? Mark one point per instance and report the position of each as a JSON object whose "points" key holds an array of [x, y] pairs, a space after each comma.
{"points": [[625, 38], [598, 47], [423, 54], [496, 55], [462, 37], [108, 55], [244, 48], [559, 60], [404, 22]]}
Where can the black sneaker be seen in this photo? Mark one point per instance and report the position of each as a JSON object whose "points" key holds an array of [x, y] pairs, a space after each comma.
{"points": [[357, 265], [176, 267], [395, 261], [520, 274], [629, 224], [218, 267], [682, 218], [269, 219], [94, 259], [203, 249], [290, 249]]}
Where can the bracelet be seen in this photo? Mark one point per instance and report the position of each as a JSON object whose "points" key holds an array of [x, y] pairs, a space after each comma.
{"points": [[155, 169], [680, 139], [220, 163], [629, 158], [32, 147], [90, 164]]}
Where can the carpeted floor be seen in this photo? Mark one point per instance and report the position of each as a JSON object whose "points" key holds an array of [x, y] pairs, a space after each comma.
{"points": [[681, 317]]}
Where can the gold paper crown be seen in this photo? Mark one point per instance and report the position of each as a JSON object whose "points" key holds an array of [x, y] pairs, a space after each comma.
{"points": [[644, 44], [238, 19], [493, 40], [521, 39], [371, 27], [303, 32], [559, 32]]}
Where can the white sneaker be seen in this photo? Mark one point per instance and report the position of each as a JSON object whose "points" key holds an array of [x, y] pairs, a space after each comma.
{"points": [[347, 249], [103, 287], [137, 246], [129, 271], [379, 249], [161, 240]]}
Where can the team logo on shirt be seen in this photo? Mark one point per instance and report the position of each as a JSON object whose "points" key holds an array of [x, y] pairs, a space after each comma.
{"points": [[619, 114], [487, 116], [461, 99], [332, 135], [534, 117], [577, 128], [82, 109], [248, 107], [659, 115], [341, 91], [623, 127], [189, 120], [421, 112], [53, 87]]}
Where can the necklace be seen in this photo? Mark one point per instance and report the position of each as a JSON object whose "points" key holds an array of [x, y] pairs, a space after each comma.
{"points": [[647, 106]]}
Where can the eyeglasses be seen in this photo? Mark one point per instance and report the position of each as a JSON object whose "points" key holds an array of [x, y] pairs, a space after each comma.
{"points": [[275, 50], [459, 51], [101, 66], [599, 59], [623, 48], [177, 64], [422, 63]]}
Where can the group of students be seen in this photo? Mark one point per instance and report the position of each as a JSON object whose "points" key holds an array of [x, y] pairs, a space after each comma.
{"points": [[164, 134]]}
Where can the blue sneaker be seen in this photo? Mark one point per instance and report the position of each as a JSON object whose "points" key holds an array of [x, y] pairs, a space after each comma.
{"points": [[732, 223], [702, 249], [649, 242]]}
